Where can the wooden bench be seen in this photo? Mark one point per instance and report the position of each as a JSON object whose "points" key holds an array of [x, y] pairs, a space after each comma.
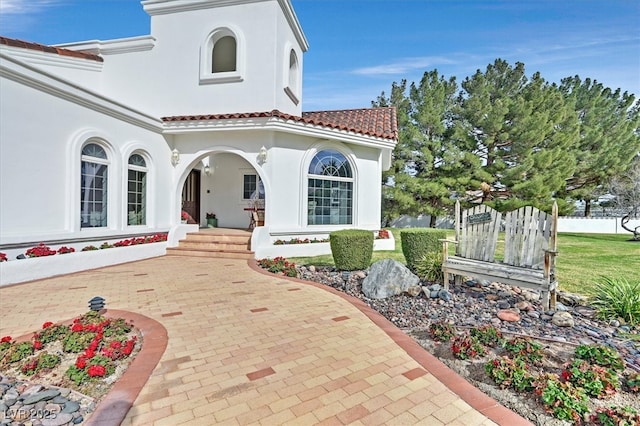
{"points": [[530, 248]]}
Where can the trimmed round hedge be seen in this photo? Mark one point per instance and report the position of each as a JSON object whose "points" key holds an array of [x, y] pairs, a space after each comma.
{"points": [[418, 242], [351, 249]]}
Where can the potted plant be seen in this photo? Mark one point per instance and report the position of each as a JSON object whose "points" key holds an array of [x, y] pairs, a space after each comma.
{"points": [[212, 221], [184, 217]]}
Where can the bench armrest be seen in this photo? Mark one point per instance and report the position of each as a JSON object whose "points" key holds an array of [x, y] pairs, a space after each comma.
{"points": [[552, 252], [449, 241]]}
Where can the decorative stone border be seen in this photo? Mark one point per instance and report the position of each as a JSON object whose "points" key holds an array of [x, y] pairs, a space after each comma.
{"points": [[457, 384], [116, 404]]}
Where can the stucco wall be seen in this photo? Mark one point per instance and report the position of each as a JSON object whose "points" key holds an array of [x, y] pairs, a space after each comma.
{"points": [[165, 79], [42, 136]]}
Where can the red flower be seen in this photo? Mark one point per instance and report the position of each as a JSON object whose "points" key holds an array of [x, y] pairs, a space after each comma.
{"points": [[81, 362], [37, 345], [47, 324], [89, 353], [77, 327], [115, 345], [96, 371], [5, 339]]}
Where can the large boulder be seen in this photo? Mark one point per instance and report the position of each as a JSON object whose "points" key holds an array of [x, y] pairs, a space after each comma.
{"points": [[388, 278]]}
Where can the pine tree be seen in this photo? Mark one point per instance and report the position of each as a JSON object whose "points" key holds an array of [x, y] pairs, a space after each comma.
{"points": [[523, 131], [609, 139]]}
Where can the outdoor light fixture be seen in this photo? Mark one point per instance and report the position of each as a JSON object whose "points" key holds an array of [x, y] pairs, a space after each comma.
{"points": [[207, 170], [175, 157], [262, 155], [96, 304]]}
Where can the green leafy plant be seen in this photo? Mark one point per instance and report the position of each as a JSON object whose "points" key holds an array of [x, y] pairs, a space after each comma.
{"points": [[595, 380], [562, 399], [77, 340], [50, 333], [512, 373], [525, 348], [429, 267], [279, 265], [633, 382], [615, 416], [351, 249], [19, 351], [465, 347], [442, 331], [604, 356], [617, 298], [488, 335], [418, 242]]}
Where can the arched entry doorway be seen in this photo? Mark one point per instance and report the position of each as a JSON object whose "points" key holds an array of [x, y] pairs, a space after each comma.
{"points": [[225, 183], [191, 196]]}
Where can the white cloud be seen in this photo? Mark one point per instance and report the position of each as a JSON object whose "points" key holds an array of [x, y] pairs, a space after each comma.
{"points": [[24, 7], [404, 66]]}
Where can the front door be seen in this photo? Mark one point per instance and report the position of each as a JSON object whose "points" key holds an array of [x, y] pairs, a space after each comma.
{"points": [[191, 195]]}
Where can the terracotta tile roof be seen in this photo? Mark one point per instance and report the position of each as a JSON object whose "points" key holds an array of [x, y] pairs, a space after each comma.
{"points": [[49, 49], [377, 122]]}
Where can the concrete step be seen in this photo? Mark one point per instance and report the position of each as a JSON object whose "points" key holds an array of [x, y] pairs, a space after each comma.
{"points": [[208, 237], [228, 254], [218, 245]]}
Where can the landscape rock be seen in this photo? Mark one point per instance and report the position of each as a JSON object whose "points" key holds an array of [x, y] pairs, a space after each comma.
{"points": [[388, 278], [414, 291], [508, 315], [563, 319]]}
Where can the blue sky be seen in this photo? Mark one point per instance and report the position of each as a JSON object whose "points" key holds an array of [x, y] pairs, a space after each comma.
{"points": [[359, 47]]}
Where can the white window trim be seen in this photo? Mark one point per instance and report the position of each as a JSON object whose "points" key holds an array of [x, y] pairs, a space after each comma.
{"points": [[292, 92], [109, 199], [145, 169], [206, 58], [305, 188]]}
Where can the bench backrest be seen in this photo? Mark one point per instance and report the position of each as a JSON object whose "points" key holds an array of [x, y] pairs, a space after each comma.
{"points": [[477, 232], [528, 233]]}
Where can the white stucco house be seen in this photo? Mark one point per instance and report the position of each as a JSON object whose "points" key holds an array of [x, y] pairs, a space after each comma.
{"points": [[108, 139]]}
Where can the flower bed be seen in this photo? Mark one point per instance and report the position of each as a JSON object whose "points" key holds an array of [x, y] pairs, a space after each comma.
{"points": [[38, 267], [86, 356]]}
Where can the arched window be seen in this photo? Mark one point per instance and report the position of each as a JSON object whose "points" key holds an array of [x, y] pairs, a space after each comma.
{"points": [[224, 55], [137, 190], [330, 200], [293, 77], [93, 186]]}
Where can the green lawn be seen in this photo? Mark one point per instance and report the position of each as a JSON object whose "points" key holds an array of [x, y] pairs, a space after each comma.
{"points": [[582, 259]]}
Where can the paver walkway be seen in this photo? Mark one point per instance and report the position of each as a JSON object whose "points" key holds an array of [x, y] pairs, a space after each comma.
{"points": [[249, 348]]}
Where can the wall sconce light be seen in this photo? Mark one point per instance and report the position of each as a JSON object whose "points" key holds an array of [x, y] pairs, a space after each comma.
{"points": [[175, 157], [207, 170], [262, 155]]}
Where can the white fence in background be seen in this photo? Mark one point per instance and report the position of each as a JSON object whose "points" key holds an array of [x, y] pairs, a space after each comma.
{"points": [[585, 225]]}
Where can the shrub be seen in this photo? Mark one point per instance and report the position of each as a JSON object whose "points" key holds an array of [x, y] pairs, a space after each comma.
{"points": [[351, 249], [603, 356], [429, 267], [617, 298], [507, 372], [418, 242], [442, 331], [595, 380], [563, 400]]}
